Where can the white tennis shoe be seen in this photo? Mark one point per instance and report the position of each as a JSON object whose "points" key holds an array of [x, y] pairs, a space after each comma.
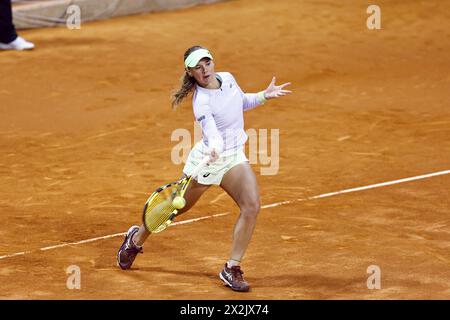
{"points": [[18, 44]]}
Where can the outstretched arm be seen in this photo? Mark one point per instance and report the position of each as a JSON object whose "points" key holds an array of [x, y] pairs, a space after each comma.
{"points": [[252, 100], [273, 91]]}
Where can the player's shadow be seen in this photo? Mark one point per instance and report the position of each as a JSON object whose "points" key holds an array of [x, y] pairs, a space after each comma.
{"points": [[177, 272], [310, 282]]}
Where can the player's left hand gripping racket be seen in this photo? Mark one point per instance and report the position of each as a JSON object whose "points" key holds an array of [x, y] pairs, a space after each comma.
{"points": [[163, 205]]}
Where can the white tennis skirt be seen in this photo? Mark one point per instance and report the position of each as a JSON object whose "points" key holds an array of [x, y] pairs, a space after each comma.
{"points": [[214, 172]]}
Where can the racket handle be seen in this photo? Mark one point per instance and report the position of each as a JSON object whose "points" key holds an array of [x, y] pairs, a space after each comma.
{"points": [[200, 166]]}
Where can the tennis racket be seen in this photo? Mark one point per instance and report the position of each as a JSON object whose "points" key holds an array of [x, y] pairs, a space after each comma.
{"points": [[159, 210]]}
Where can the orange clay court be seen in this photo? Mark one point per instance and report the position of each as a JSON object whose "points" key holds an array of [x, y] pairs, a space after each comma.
{"points": [[85, 138]]}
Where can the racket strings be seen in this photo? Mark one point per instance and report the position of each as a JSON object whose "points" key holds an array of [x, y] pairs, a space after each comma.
{"points": [[160, 209]]}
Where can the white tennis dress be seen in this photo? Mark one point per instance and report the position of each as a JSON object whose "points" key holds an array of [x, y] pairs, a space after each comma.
{"points": [[220, 113]]}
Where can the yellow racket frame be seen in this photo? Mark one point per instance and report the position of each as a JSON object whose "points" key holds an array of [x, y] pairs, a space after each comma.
{"points": [[159, 211]]}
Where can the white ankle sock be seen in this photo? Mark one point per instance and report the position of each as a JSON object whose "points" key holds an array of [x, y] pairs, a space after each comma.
{"points": [[134, 242], [232, 263]]}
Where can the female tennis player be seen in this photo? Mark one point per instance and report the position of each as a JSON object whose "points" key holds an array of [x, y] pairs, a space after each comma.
{"points": [[218, 105]]}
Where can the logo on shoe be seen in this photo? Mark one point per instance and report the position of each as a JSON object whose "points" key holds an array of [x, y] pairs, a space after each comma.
{"points": [[228, 275], [206, 175]]}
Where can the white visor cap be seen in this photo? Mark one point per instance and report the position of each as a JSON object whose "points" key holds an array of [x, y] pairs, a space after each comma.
{"points": [[195, 56]]}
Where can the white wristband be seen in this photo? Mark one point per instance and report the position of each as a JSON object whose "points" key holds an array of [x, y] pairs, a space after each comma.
{"points": [[260, 97]]}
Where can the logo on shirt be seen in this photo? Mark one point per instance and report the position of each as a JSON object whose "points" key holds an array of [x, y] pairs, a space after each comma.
{"points": [[201, 118]]}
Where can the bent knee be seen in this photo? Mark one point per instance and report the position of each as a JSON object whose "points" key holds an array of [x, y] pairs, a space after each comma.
{"points": [[251, 209]]}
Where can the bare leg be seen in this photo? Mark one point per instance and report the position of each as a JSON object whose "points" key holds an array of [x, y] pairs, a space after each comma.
{"points": [[192, 194], [241, 184]]}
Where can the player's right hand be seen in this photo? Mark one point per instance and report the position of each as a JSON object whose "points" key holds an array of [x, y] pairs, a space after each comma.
{"points": [[213, 156]]}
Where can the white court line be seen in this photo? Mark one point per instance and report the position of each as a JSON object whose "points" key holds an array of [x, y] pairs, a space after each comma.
{"points": [[198, 219], [372, 186]]}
